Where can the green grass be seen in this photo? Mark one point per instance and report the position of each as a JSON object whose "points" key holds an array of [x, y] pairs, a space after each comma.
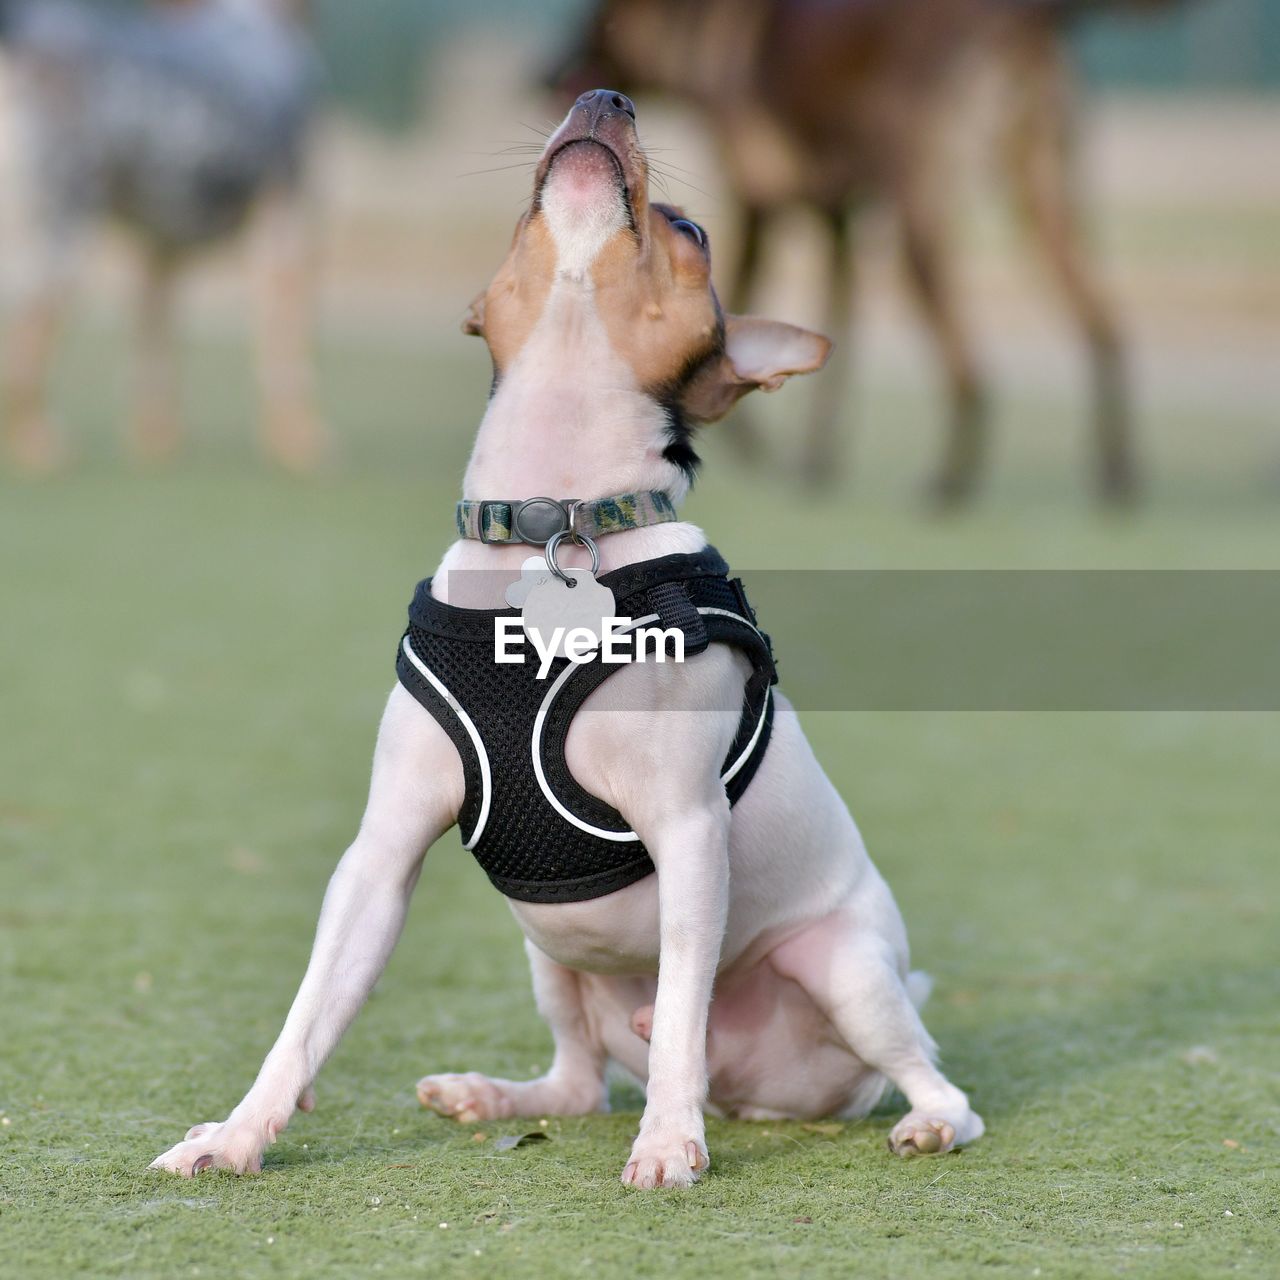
{"points": [[192, 664]]}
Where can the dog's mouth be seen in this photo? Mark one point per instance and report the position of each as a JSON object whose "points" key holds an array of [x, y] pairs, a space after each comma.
{"points": [[577, 148], [586, 169], [592, 163]]}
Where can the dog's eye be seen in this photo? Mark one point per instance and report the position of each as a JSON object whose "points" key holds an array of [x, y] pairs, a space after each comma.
{"points": [[690, 229]]}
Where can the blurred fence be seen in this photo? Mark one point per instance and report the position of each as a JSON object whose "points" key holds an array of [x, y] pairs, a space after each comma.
{"points": [[379, 52], [1208, 44]]}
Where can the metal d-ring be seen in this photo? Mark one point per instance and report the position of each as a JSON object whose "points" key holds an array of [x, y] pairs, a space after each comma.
{"points": [[553, 545]]}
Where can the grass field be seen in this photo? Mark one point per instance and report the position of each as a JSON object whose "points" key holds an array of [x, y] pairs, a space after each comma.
{"points": [[192, 665]]}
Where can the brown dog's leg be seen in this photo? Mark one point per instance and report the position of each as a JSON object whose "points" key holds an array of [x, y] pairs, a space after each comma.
{"points": [[33, 444], [156, 427], [1042, 170], [292, 434], [926, 254], [746, 265], [744, 433], [823, 446]]}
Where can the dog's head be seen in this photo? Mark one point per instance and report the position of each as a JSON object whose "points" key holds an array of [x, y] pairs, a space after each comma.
{"points": [[638, 270]]}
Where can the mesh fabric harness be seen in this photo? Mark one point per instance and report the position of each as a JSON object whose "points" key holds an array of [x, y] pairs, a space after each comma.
{"points": [[538, 834]]}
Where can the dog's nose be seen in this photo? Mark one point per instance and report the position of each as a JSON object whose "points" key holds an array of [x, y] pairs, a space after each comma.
{"points": [[605, 100]]}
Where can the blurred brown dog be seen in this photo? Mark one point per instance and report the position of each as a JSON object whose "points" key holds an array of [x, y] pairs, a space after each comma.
{"points": [[184, 121], [836, 103]]}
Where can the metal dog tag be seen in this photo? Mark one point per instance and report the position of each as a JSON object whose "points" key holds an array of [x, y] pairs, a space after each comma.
{"points": [[533, 573], [552, 604]]}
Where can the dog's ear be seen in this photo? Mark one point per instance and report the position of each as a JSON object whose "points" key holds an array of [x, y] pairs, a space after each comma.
{"points": [[473, 321], [765, 353], [757, 354]]}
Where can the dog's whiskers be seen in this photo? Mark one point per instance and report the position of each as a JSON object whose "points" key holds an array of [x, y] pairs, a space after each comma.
{"points": [[500, 168], [660, 171]]}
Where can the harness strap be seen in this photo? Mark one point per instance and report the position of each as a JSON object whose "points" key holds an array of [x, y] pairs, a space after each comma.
{"points": [[536, 521], [671, 602]]}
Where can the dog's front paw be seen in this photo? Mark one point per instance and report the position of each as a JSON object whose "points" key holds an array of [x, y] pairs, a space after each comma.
{"points": [[468, 1098], [214, 1146], [919, 1134], [662, 1159]]}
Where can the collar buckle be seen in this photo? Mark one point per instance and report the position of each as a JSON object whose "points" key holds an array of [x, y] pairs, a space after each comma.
{"points": [[537, 520]]}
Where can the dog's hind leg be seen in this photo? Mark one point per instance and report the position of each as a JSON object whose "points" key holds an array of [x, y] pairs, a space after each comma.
{"points": [[820, 463], [414, 798], [928, 258], [59, 199], [1041, 163], [852, 964], [292, 432], [155, 427], [744, 434], [32, 442], [573, 1086]]}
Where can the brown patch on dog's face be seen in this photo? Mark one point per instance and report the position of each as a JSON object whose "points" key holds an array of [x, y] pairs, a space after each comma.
{"points": [[505, 313], [657, 302], [640, 272], [651, 290]]}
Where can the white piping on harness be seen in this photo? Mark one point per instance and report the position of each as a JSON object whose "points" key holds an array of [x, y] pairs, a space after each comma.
{"points": [[553, 693], [486, 776]]}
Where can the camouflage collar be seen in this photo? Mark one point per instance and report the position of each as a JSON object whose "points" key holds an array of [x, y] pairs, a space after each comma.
{"points": [[536, 520]]}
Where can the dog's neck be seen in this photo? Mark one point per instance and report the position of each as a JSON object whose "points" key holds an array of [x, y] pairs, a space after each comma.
{"points": [[568, 420]]}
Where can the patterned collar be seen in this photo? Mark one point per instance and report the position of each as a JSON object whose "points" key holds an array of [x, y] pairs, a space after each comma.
{"points": [[536, 520]]}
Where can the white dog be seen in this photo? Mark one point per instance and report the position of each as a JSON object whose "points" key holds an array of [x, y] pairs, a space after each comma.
{"points": [[763, 969]]}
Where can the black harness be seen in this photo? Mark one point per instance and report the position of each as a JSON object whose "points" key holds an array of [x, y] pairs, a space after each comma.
{"points": [[538, 834]]}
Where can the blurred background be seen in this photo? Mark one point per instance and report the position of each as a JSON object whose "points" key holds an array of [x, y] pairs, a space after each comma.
{"points": [[415, 176]]}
